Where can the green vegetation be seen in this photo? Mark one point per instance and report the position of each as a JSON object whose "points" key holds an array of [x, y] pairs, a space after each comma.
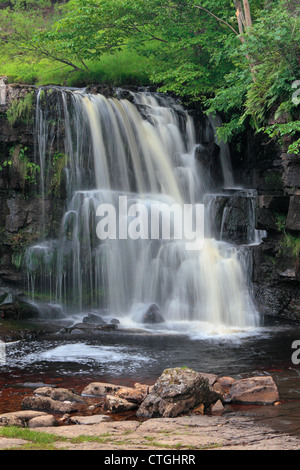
{"points": [[290, 243], [20, 111], [19, 161], [237, 58], [37, 440]]}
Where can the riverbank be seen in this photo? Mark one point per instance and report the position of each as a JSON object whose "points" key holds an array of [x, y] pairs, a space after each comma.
{"points": [[183, 410], [193, 432]]}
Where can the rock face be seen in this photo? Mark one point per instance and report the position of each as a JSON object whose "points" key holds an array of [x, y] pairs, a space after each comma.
{"points": [[275, 174], [177, 391]]}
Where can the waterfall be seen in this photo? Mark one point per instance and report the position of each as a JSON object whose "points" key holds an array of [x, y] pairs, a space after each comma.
{"points": [[140, 151]]}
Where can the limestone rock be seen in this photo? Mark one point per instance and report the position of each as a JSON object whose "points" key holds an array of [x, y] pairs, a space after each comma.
{"points": [[177, 391], [42, 421], [149, 314], [60, 394], [217, 407], [48, 404], [20, 418], [92, 318], [116, 404], [99, 389], [133, 395], [90, 420], [258, 390]]}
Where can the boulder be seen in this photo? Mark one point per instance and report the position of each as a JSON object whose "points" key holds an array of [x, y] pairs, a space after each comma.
{"points": [[149, 314], [92, 318], [60, 394], [63, 394], [133, 395], [177, 391], [42, 421], [98, 389], [21, 418], [16, 307], [116, 404], [48, 404], [254, 390]]}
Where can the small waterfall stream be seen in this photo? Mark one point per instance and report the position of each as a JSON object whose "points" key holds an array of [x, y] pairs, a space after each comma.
{"points": [[140, 150]]}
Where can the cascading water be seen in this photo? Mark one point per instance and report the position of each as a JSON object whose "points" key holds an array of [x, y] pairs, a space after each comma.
{"points": [[138, 151]]}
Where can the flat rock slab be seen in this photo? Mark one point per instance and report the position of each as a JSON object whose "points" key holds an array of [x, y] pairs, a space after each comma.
{"points": [[9, 443], [190, 432]]}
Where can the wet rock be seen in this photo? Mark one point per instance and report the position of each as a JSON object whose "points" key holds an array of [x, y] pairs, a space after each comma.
{"points": [[115, 404], [177, 391], [152, 314], [59, 394], [92, 318], [16, 307], [94, 419], [217, 407], [226, 381], [133, 395], [293, 217], [47, 404], [208, 156], [98, 389], [212, 378], [20, 418], [42, 421], [33, 385], [88, 328], [254, 390]]}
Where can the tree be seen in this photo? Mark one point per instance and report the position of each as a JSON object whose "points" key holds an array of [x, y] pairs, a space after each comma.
{"points": [[23, 24]]}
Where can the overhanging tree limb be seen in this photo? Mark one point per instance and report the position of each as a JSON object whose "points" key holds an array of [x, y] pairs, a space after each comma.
{"points": [[217, 17]]}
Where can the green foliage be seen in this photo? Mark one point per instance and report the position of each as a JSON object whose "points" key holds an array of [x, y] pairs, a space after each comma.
{"points": [[281, 130], [20, 111], [188, 47], [265, 67], [290, 241], [19, 161]]}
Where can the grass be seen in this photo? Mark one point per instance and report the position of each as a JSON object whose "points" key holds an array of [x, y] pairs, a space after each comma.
{"points": [[45, 441], [125, 67], [37, 440]]}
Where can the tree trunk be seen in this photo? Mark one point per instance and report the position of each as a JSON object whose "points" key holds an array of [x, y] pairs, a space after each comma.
{"points": [[247, 13]]}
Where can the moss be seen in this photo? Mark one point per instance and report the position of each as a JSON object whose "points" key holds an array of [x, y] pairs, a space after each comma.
{"points": [[21, 110], [59, 162]]}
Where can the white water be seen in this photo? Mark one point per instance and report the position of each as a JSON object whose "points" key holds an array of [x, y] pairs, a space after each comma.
{"points": [[114, 149]]}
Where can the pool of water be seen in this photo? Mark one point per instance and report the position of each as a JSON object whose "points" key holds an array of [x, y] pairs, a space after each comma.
{"points": [[129, 355]]}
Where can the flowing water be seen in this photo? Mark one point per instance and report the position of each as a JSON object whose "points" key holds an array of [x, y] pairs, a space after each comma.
{"points": [[139, 154], [141, 150]]}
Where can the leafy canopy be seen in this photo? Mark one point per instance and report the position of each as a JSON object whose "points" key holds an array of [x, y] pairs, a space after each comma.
{"points": [[236, 62]]}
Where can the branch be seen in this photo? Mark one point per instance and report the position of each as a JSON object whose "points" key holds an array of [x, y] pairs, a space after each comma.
{"points": [[219, 19]]}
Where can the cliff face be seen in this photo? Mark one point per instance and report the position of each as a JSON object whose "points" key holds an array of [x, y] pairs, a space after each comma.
{"points": [[24, 215], [259, 165], [276, 176]]}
